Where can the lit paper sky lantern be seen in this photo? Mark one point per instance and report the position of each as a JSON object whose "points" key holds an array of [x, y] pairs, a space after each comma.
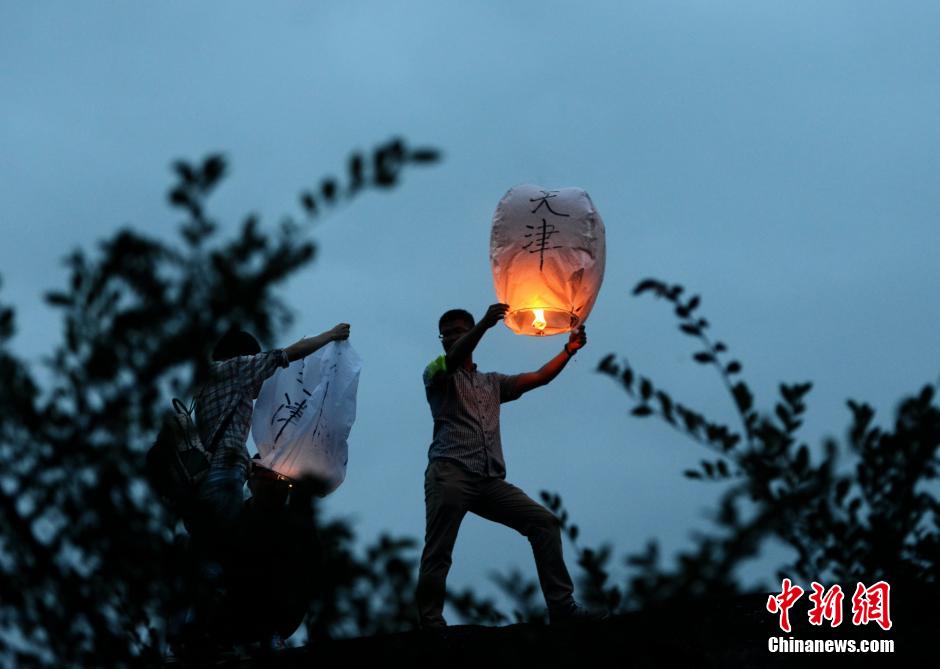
{"points": [[547, 253]]}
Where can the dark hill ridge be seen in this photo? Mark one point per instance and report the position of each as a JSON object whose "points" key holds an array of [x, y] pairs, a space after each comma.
{"points": [[731, 633]]}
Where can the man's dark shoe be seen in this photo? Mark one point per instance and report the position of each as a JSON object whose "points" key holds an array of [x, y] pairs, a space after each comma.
{"points": [[575, 613]]}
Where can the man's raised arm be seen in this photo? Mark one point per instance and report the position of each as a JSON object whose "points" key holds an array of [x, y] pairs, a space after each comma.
{"points": [[304, 347], [464, 346], [526, 382]]}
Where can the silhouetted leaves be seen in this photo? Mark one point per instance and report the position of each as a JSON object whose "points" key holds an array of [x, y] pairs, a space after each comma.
{"points": [[742, 397], [685, 310], [328, 189], [552, 501], [647, 285], [425, 156], [213, 169], [180, 197], [802, 459], [97, 583], [382, 169], [627, 377], [59, 299], [926, 395], [387, 162], [862, 415], [842, 488], [309, 203], [356, 172], [607, 364], [873, 525], [665, 404], [184, 171]]}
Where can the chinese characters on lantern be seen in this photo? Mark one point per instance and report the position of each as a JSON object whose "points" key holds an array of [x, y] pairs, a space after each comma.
{"points": [[542, 233], [545, 231], [870, 604], [293, 411], [544, 201]]}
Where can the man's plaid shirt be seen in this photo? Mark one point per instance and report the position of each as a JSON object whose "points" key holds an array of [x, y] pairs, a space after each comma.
{"points": [[233, 385]]}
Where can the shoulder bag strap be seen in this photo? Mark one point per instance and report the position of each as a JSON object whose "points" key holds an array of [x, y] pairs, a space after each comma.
{"points": [[210, 447]]}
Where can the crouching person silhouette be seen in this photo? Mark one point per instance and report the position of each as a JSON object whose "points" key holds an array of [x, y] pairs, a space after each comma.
{"points": [[466, 471]]}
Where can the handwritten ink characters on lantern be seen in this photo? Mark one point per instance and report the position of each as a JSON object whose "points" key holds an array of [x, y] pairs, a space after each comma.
{"points": [[544, 201], [316, 423], [289, 412], [304, 414], [293, 411], [543, 232], [547, 255]]}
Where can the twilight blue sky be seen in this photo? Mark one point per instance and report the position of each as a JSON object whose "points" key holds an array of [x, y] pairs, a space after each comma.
{"points": [[780, 158]]}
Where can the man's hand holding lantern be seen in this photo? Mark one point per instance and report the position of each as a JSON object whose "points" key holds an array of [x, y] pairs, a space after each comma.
{"points": [[494, 314], [576, 341]]}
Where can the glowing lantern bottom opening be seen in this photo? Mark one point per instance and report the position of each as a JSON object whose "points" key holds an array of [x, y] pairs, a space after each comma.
{"points": [[541, 321]]}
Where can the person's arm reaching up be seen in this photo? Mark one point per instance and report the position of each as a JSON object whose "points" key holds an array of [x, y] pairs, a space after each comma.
{"points": [[528, 381], [464, 346], [304, 347]]}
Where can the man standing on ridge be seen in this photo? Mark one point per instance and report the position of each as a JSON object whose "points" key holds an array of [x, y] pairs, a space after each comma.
{"points": [[466, 471]]}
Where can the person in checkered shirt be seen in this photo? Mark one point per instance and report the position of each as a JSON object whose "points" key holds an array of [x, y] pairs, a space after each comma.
{"points": [[223, 416]]}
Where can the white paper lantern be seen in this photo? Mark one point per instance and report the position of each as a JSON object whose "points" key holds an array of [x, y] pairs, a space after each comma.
{"points": [[547, 254], [304, 413]]}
